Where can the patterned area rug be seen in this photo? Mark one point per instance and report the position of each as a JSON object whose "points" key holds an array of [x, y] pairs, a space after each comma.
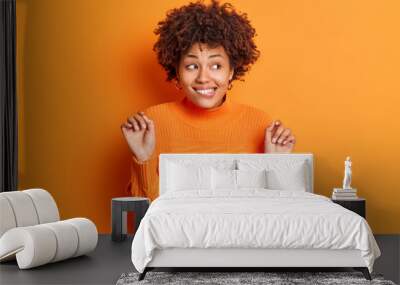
{"points": [[269, 278]]}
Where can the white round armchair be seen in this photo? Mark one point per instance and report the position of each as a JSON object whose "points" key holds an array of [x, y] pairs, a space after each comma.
{"points": [[31, 230]]}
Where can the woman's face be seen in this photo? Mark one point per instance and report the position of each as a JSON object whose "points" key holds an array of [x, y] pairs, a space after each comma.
{"points": [[204, 75]]}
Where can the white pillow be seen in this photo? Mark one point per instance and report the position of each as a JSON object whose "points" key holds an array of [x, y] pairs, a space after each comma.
{"points": [[251, 178], [219, 163], [236, 179], [181, 177], [282, 174], [287, 179], [223, 179]]}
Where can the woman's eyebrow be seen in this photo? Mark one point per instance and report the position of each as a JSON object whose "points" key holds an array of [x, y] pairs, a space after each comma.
{"points": [[211, 56], [215, 55]]}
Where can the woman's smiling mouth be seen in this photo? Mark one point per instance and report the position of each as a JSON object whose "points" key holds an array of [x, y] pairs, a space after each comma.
{"points": [[206, 92]]}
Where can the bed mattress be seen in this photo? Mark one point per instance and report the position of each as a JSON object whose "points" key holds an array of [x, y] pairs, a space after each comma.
{"points": [[250, 219]]}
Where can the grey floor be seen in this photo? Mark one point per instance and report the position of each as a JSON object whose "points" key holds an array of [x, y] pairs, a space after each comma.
{"points": [[111, 259], [103, 266]]}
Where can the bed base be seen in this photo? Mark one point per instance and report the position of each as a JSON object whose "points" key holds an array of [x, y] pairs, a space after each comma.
{"points": [[363, 270], [250, 259]]}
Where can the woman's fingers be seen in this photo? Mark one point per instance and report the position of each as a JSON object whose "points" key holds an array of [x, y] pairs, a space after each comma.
{"points": [[290, 139], [274, 125], [277, 134], [150, 124], [141, 121], [138, 122], [280, 136], [134, 123], [127, 125], [270, 130], [284, 135]]}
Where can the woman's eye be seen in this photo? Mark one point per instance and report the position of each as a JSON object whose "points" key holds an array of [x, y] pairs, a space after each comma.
{"points": [[191, 66], [216, 66]]}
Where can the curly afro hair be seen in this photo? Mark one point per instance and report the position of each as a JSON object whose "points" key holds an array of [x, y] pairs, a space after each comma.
{"points": [[214, 25]]}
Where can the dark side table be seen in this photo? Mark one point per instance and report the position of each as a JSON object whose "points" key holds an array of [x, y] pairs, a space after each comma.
{"points": [[356, 205], [119, 207]]}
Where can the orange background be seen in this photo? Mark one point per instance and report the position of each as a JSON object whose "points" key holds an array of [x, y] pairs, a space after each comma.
{"points": [[328, 69]]}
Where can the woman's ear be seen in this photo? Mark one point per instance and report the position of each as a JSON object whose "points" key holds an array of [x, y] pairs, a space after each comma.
{"points": [[231, 73], [177, 84]]}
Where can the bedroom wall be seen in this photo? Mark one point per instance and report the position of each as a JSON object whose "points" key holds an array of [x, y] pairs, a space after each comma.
{"points": [[328, 70]]}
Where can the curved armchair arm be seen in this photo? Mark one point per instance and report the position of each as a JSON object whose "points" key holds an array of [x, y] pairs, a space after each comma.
{"points": [[26, 208], [40, 244]]}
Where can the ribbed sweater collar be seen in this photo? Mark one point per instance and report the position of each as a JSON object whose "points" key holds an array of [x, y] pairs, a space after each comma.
{"points": [[193, 109], [201, 117]]}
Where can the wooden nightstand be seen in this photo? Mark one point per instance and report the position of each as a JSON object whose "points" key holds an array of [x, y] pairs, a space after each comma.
{"points": [[357, 205]]}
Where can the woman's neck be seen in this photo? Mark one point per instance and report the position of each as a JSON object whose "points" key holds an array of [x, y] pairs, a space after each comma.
{"points": [[206, 118], [193, 107]]}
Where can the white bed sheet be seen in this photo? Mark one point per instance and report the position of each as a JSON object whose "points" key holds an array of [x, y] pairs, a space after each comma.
{"points": [[250, 218]]}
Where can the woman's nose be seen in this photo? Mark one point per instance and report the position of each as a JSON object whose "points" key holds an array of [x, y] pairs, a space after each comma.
{"points": [[202, 76]]}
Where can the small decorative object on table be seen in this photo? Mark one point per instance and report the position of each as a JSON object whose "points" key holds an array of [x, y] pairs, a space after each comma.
{"points": [[347, 196], [345, 193], [119, 207]]}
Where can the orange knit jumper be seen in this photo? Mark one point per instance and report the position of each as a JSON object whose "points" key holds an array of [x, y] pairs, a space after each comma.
{"points": [[182, 127]]}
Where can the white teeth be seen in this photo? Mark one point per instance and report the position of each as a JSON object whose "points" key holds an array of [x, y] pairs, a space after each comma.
{"points": [[205, 91]]}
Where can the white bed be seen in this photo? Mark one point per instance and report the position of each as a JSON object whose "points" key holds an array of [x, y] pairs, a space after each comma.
{"points": [[203, 220]]}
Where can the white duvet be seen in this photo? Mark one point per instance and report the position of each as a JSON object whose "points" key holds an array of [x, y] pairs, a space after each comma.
{"points": [[251, 218]]}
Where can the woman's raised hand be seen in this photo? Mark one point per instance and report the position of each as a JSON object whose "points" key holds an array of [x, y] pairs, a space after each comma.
{"points": [[139, 133], [278, 139]]}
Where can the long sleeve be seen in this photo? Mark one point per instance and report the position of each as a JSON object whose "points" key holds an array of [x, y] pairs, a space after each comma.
{"points": [[144, 178]]}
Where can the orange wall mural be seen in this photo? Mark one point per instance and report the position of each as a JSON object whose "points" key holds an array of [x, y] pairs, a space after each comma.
{"points": [[328, 69]]}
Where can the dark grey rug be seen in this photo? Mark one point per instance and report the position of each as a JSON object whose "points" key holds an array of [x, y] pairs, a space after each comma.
{"points": [[269, 278]]}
